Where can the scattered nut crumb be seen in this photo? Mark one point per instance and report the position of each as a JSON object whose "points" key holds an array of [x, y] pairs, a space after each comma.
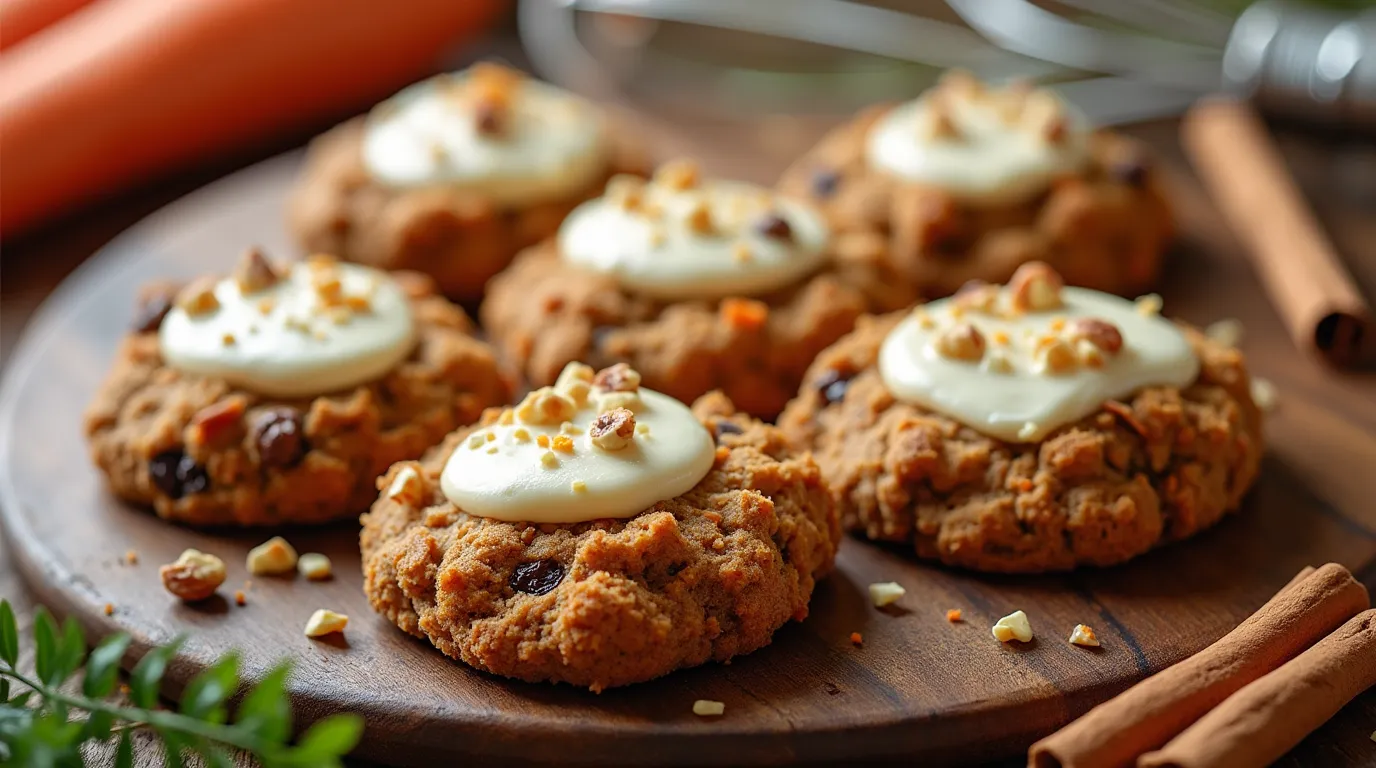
{"points": [[617, 378], [194, 576], [315, 566], [1264, 394], [253, 273], [706, 708], [273, 557], [240, 599], [574, 382], [549, 459], [1035, 287], [1054, 357], [885, 593], [678, 174], [546, 406], [324, 622], [610, 401], [953, 615], [1100, 333], [562, 443], [131, 557], [1082, 634], [1149, 305], [199, 297], [857, 638], [613, 430], [1014, 626], [962, 341]]}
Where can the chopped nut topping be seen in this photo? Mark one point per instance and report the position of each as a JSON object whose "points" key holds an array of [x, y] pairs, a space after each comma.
{"points": [[699, 219], [1100, 333], [476, 441], [199, 297], [998, 362], [741, 253], [610, 401], [1035, 287], [1090, 355], [194, 576], [521, 434], [579, 486], [569, 428], [1054, 357], [574, 382], [707, 708], [976, 296], [613, 430], [562, 443], [938, 124], [627, 192], [315, 566], [273, 557], [1014, 626], [542, 441], [885, 593], [358, 304], [1083, 635], [1149, 305], [321, 261], [962, 341], [545, 406], [407, 487], [329, 288], [617, 378], [678, 174], [324, 622], [228, 340], [254, 273], [507, 417], [549, 459]]}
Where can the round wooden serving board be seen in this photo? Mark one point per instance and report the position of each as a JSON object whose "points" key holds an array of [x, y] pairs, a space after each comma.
{"points": [[919, 687]]}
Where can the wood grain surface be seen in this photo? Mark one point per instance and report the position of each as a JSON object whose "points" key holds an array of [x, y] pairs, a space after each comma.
{"points": [[919, 687]]}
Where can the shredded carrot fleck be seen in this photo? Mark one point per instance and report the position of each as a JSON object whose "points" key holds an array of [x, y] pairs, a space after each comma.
{"points": [[542, 441], [1024, 485], [563, 443], [744, 313], [109, 609], [240, 598], [953, 615], [856, 638]]}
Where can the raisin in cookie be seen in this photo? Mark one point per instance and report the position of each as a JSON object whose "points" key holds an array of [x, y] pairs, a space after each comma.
{"points": [[454, 175], [700, 284], [600, 534], [277, 396], [1029, 428], [969, 182]]}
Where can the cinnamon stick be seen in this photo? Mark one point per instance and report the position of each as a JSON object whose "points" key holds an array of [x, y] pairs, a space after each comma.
{"points": [[1261, 722], [1147, 715], [1316, 298]]}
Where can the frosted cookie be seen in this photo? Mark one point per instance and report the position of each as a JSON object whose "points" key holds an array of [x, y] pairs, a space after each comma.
{"points": [[698, 283], [968, 182], [454, 175], [600, 534], [1030, 427], [279, 394]]}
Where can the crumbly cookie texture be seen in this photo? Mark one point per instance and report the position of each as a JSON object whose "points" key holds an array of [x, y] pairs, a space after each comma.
{"points": [[1106, 228], [702, 577], [457, 237], [543, 313], [1158, 466], [203, 452]]}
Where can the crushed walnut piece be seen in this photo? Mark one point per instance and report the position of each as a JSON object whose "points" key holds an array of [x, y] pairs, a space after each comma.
{"points": [[708, 708], [1100, 333], [1149, 305], [617, 378], [680, 174], [324, 622], [198, 298], [962, 341], [627, 192], [885, 593], [545, 406], [1014, 626], [194, 576], [1083, 635], [1264, 394], [253, 273], [273, 557], [613, 430], [976, 296], [698, 219], [315, 566], [1035, 287], [574, 382], [1054, 356]]}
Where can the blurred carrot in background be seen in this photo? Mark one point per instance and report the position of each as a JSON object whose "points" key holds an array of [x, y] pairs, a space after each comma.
{"points": [[121, 89]]}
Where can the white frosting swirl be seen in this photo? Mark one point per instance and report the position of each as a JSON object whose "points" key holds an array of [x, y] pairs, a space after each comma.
{"points": [[983, 147], [516, 475], [1018, 400], [285, 341], [655, 246], [552, 143]]}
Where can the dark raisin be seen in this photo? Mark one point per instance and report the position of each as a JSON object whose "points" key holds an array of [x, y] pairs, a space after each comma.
{"points": [[727, 428], [1131, 171], [150, 313], [177, 475], [833, 385], [824, 182], [537, 578], [281, 437], [775, 226]]}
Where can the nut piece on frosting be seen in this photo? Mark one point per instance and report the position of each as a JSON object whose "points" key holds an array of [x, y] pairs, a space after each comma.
{"points": [[962, 341], [617, 387], [574, 382], [253, 273], [1035, 287], [1014, 626], [1100, 333], [199, 297], [546, 406], [1054, 356], [678, 174], [194, 576], [976, 296], [613, 430]]}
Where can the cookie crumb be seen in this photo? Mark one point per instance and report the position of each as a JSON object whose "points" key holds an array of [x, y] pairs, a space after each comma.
{"points": [[315, 566], [273, 557], [194, 576], [1083, 635], [857, 639], [325, 622], [885, 593], [707, 708], [1014, 626], [953, 615]]}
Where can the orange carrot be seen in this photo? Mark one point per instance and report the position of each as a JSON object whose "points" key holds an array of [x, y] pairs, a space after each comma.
{"points": [[19, 19], [125, 88]]}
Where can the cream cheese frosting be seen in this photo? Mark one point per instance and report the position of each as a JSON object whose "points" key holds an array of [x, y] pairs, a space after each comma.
{"points": [[681, 238], [587, 448], [320, 327], [1021, 362], [982, 146], [513, 140]]}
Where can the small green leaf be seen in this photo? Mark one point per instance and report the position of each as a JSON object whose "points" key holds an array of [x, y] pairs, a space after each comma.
{"points": [[98, 726], [147, 675], [102, 668], [45, 644], [9, 635], [124, 753], [208, 690], [265, 711], [216, 758], [172, 745], [71, 651], [21, 700], [4, 689], [335, 736]]}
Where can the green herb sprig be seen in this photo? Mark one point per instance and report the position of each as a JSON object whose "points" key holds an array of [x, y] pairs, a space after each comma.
{"points": [[45, 725]]}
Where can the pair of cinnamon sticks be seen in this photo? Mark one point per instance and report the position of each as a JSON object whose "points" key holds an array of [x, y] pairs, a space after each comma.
{"points": [[1246, 699]]}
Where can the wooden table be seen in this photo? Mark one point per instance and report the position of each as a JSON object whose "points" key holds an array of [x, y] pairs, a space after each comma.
{"points": [[1340, 182]]}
